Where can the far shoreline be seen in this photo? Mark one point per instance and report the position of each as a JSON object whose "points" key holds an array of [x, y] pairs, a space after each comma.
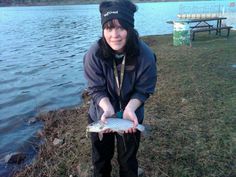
{"points": [[80, 3]]}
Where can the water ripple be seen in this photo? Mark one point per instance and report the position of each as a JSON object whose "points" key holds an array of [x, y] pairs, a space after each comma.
{"points": [[32, 71], [17, 100], [24, 87], [7, 81]]}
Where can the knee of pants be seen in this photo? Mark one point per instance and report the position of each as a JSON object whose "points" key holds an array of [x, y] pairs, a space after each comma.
{"points": [[102, 150], [127, 150]]}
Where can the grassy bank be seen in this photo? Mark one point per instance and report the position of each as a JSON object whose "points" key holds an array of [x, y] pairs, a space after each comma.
{"points": [[191, 118]]}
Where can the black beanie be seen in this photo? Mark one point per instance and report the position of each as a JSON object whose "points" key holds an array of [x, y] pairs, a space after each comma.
{"points": [[116, 11]]}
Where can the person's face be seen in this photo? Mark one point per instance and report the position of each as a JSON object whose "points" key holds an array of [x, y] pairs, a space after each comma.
{"points": [[116, 37]]}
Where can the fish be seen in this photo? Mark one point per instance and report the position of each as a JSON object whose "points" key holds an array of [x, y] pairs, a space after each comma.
{"points": [[115, 124]]}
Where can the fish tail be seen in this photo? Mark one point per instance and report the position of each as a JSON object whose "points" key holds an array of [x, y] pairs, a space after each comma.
{"points": [[141, 128]]}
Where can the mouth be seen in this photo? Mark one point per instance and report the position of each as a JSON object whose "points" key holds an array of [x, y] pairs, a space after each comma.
{"points": [[116, 41]]}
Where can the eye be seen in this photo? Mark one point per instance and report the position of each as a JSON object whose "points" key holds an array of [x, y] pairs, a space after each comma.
{"points": [[120, 28], [108, 29]]}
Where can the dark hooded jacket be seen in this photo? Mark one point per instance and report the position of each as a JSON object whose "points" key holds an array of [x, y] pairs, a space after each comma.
{"points": [[139, 80]]}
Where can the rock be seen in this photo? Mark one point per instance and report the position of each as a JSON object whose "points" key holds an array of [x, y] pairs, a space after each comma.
{"points": [[184, 101], [40, 134], [32, 120], [140, 172], [83, 140], [85, 94], [57, 142], [82, 170], [16, 157]]}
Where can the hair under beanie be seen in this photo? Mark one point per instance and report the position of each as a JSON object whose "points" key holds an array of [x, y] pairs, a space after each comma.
{"points": [[121, 9]]}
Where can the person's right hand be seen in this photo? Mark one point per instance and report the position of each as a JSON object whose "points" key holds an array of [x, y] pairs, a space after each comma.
{"points": [[108, 113], [107, 108], [129, 114]]}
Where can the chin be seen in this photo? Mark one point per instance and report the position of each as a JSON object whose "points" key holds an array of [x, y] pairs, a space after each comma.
{"points": [[117, 48]]}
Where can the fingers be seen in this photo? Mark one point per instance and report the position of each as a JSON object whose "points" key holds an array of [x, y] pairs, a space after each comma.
{"points": [[131, 130], [135, 123], [105, 115], [108, 131], [129, 114], [103, 119]]}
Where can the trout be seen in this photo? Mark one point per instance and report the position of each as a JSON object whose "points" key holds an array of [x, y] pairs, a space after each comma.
{"points": [[115, 124]]}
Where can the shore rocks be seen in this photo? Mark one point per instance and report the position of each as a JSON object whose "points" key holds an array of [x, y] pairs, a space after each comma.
{"points": [[85, 96], [16, 157], [32, 120], [184, 101], [57, 142], [140, 172]]}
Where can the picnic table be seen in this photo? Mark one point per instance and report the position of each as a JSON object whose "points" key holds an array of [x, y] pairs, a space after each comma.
{"points": [[204, 25]]}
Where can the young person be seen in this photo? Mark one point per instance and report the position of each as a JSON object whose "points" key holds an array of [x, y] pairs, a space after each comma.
{"points": [[121, 73]]}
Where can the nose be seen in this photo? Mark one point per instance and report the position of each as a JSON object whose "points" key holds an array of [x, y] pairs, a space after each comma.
{"points": [[115, 33]]}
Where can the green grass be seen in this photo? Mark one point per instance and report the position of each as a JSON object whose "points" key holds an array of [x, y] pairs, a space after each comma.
{"points": [[195, 127], [191, 118]]}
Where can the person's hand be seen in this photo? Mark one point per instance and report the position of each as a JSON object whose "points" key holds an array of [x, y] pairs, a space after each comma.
{"points": [[130, 115], [107, 113]]}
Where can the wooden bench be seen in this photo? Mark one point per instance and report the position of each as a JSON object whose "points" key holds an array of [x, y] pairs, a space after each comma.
{"points": [[202, 26], [218, 30]]}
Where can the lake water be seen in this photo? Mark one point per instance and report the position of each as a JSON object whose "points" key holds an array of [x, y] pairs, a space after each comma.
{"points": [[41, 55]]}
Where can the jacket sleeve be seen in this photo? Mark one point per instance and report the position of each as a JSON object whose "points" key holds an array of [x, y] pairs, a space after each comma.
{"points": [[146, 78], [95, 77]]}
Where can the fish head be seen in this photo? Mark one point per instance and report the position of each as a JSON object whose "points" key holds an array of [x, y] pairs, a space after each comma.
{"points": [[95, 127]]}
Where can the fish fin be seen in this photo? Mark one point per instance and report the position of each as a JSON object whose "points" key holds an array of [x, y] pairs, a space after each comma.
{"points": [[121, 133], [87, 130], [147, 131], [100, 136]]}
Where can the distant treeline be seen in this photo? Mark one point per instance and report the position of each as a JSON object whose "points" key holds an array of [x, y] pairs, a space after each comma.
{"points": [[55, 2], [44, 2]]}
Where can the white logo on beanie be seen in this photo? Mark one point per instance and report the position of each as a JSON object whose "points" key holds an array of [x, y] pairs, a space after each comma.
{"points": [[110, 12]]}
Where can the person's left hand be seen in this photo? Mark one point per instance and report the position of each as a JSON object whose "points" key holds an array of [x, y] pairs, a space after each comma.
{"points": [[130, 114]]}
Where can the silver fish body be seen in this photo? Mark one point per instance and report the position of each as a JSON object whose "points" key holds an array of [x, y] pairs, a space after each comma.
{"points": [[114, 124]]}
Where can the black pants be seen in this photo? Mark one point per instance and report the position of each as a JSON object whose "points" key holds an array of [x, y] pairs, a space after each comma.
{"points": [[103, 151]]}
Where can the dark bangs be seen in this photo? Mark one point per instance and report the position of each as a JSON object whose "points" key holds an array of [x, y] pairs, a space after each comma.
{"points": [[132, 43], [112, 24], [109, 24]]}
